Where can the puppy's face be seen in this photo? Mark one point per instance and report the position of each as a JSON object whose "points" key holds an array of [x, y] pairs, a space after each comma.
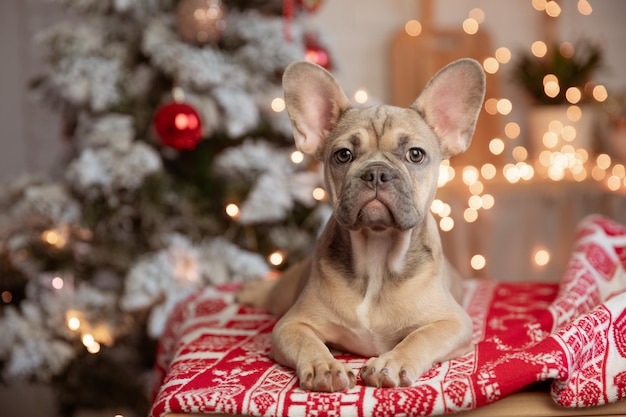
{"points": [[382, 163], [381, 168]]}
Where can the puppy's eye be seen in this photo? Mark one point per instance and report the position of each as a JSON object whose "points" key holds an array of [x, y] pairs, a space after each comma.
{"points": [[343, 156], [415, 155]]}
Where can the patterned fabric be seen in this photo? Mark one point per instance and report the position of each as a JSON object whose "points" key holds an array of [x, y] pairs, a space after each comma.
{"points": [[213, 355]]}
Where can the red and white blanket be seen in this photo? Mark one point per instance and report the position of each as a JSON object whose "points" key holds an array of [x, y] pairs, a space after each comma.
{"points": [[213, 355]]}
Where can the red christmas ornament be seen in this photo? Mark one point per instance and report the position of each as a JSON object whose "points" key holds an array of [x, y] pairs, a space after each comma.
{"points": [[178, 126], [316, 53]]}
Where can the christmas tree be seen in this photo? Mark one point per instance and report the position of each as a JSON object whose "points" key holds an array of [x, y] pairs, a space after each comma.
{"points": [[182, 174]]}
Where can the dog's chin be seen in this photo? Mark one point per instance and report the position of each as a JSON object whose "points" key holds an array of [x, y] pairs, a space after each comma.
{"points": [[377, 216]]}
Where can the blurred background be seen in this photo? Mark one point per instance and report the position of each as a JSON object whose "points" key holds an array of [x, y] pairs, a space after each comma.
{"points": [[145, 152]]}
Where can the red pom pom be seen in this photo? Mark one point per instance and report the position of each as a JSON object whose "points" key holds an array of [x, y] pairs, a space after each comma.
{"points": [[178, 126]]}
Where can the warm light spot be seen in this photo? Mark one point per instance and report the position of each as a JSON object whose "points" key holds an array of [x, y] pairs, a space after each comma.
{"points": [[278, 104], [526, 171], [574, 113], [496, 146], [539, 5], [503, 55], [553, 9], [504, 106], [7, 297], [520, 153], [550, 139], [54, 238], [478, 262], [555, 126], [232, 210], [446, 173], [567, 50], [511, 173], [619, 170], [319, 194], [539, 49], [603, 161], [573, 95], [488, 171], [470, 175], [276, 258], [491, 65], [600, 93], [584, 7], [88, 339], [57, 283], [541, 257], [614, 183], [93, 348], [436, 206], [477, 14], [446, 224], [470, 215], [598, 173], [446, 210], [568, 133], [470, 26], [297, 157], [475, 202], [477, 188], [361, 96], [512, 130], [488, 201], [552, 89], [73, 323], [413, 28], [491, 106]]}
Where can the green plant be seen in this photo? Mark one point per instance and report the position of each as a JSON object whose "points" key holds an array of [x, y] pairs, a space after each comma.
{"points": [[572, 65]]}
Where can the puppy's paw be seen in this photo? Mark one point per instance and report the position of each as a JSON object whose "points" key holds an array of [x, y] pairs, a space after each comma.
{"points": [[326, 376], [255, 293], [389, 371]]}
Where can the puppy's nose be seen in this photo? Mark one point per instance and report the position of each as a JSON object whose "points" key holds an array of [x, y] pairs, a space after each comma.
{"points": [[377, 175]]}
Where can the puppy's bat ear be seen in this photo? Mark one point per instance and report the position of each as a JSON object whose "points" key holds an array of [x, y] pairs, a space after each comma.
{"points": [[314, 102], [451, 102]]}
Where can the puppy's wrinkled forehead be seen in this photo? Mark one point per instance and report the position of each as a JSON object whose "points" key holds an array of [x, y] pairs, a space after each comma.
{"points": [[384, 128]]}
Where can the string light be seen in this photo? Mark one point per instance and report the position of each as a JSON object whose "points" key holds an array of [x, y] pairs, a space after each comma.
{"points": [[413, 28], [278, 105], [491, 65], [539, 49], [470, 26], [57, 283], [478, 262], [477, 14], [361, 96], [541, 257], [503, 55], [584, 7], [232, 210], [276, 258], [297, 157], [319, 194]]}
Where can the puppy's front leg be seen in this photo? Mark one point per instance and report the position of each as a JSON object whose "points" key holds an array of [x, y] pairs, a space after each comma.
{"points": [[297, 345], [418, 352]]}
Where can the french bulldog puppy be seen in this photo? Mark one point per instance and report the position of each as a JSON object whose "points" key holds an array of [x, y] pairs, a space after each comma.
{"points": [[378, 284]]}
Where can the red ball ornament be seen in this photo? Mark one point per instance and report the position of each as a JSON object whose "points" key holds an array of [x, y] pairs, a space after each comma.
{"points": [[178, 126], [316, 53]]}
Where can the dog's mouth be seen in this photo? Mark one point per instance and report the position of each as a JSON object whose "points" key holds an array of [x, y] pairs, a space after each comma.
{"points": [[376, 215]]}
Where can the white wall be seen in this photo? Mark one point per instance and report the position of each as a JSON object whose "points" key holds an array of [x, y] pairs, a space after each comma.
{"points": [[359, 32]]}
